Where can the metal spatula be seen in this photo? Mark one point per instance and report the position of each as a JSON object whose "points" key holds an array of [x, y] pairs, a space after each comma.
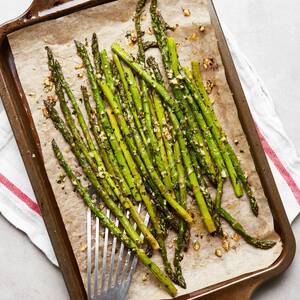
{"points": [[114, 267]]}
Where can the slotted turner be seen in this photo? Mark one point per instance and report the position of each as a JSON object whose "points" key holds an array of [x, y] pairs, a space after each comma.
{"points": [[110, 276]]}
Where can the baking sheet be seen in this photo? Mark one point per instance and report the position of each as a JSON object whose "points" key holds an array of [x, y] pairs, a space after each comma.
{"points": [[111, 22]]}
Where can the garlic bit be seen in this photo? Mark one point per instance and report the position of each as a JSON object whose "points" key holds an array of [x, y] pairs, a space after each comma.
{"points": [[196, 245], [201, 28], [186, 12], [218, 252]]}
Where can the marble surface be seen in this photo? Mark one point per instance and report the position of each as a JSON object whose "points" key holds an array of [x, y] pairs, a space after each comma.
{"points": [[267, 31]]}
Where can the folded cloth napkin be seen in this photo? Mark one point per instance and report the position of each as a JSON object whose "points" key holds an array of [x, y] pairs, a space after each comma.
{"points": [[18, 204]]}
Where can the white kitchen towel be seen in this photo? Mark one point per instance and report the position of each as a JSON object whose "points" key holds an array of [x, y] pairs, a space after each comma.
{"points": [[18, 204]]}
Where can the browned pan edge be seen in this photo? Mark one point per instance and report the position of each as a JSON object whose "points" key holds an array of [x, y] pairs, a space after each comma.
{"points": [[21, 121]]}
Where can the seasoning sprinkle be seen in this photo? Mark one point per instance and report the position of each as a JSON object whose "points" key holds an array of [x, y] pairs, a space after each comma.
{"points": [[196, 245], [186, 12], [218, 252]]}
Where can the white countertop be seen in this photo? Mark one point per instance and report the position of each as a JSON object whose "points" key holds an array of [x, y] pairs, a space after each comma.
{"points": [[268, 32]]}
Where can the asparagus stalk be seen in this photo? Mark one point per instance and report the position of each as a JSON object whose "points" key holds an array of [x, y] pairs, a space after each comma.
{"points": [[192, 177], [161, 90], [96, 56], [180, 242], [243, 178], [177, 174], [164, 134], [127, 102], [131, 244], [261, 244], [153, 173], [218, 205], [83, 53], [165, 131], [103, 154], [100, 168], [198, 142], [143, 109]]}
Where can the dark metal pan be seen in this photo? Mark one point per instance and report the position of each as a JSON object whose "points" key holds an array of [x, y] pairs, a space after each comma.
{"points": [[15, 103]]}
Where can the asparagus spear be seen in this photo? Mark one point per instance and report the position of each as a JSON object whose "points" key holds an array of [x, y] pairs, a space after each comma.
{"points": [[157, 228], [218, 205], [130, 109], [131, 244], [180, 242], [101, 110], [163, 125], [96, 56], [106, 123], [262, 244], [160, 89], [112, 169], [125, 150], [143, 109], [59, 84]]}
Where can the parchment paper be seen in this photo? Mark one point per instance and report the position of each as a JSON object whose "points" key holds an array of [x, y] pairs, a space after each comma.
{"points": [[111, 22]]}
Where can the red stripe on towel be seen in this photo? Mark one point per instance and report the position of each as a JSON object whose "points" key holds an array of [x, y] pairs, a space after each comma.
{"points": [[23, 197], [280, 167]]}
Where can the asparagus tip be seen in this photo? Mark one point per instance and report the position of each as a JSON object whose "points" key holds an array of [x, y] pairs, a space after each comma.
{"points": [[79, 45], [264, 244]]}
